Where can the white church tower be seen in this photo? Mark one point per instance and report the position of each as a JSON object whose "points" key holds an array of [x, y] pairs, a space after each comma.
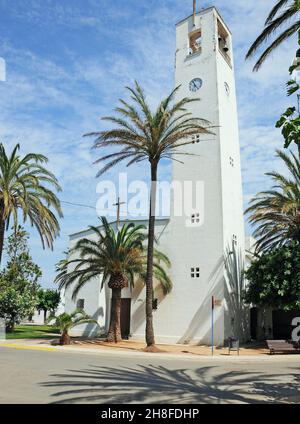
{"points": [[204, 69]]}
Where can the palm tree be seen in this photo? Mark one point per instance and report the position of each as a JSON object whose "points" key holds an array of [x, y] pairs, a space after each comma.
{"points": [[141, 135], [118, 257], [25, 185], [282, 13], [65, 322], [277, 212]]}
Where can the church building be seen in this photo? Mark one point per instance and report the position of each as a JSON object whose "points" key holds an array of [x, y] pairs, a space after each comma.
{"points": [[204, 68]]}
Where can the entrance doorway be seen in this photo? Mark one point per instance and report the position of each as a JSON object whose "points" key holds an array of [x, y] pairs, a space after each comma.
{"points": [[125, 318], [253, 323]]}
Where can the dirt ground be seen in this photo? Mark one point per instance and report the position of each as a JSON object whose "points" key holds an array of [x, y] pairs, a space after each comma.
{"points": [[251, 350]]}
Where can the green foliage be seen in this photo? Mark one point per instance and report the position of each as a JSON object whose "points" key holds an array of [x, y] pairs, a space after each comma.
{"points": [[276, 212], [20, 270], [19, 280], [17, 242], [143, 135], [274, 278], [65, 322], [16, 305], [289, 121], [235, 290], [48, 300], [32, 332], [290, 124], [281, 16], [292, 68], [25, 189], [292, 85], [113, 253]]}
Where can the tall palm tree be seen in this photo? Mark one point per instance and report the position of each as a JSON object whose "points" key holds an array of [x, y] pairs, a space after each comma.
{"points": [[119, 258], [142, 135], [276, 212], [283, 12], [25, 187], [65, 322]]}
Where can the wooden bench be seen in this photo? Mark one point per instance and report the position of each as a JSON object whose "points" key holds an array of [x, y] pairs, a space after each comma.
{"points": [[283, 346]]}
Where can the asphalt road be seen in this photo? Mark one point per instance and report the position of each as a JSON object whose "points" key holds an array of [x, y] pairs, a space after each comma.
{"points": [[55, 377]]}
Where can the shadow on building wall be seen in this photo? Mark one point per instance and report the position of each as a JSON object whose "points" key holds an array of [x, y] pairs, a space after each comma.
{"points": [[201, 321]]}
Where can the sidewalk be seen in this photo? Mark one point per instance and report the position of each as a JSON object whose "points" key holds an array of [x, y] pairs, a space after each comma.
{"points": [[133, 348]]}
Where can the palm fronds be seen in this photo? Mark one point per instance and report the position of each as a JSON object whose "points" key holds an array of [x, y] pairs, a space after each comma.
{"points": [[112, 253], [282, 13], [26, 189], [65, 322], [276, 212], [141, 134]]}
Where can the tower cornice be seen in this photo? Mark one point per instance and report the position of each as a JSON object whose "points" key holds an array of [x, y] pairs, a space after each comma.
{"points": [[204, 11]]}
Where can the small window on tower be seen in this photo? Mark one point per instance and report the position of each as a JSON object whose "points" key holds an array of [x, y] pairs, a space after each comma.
{"points": [[234, 239], [80, 304], [195, 42], [195, 272], [231, 161], [224, 42], [195, 219], [196, 138]]}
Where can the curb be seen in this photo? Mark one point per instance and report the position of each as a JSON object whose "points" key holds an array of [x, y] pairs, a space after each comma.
{"points": [[166, 356], [27, 347]]}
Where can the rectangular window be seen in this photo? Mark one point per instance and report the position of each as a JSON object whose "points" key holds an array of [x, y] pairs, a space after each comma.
{"points": [[224, 42], [196, 138], [231, 160], [195, 272], [80, 304], [195, 42], [195, 218], [234, 239]]}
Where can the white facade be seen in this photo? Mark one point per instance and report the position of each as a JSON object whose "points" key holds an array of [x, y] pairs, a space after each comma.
{"points": [[204, 69], [218, 166]]}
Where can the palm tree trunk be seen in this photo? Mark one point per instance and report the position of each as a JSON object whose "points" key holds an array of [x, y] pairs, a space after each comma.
{"points": [[2, 229], [150, 340], [10, 326], [114, 334], [65, 339]]}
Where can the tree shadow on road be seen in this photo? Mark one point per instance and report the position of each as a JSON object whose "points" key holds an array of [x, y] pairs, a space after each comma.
{"points": [[157, 384]]}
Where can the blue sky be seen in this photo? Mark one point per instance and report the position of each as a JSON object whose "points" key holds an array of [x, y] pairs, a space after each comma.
{"points": [[68, 62]]}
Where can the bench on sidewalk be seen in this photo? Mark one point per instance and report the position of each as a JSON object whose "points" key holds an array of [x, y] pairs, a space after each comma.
{"points": [[283, 346]]}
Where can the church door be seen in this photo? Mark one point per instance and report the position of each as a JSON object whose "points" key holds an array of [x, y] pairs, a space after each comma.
{"points": [[125, 318]]}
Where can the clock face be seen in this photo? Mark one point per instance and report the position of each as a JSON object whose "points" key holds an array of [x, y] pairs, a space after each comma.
{"points": [[195, 84]]}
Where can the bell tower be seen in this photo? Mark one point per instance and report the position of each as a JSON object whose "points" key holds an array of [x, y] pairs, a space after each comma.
{"points": [[204, 69]]}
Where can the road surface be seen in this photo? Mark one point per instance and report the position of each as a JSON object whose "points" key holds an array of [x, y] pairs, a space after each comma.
{"points": [[29, 376]]}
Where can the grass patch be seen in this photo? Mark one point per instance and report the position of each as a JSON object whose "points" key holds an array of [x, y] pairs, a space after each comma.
{"points": [[33, 332]]}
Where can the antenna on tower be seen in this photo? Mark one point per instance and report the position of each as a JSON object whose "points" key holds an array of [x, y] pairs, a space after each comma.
{"points": [[194, 11]]}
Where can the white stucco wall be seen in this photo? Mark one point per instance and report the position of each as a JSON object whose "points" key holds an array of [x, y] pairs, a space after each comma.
{"points": [[223, 211]]}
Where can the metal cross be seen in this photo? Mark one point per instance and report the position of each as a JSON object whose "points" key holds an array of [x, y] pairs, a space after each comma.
{"points": [[118, 205]]}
